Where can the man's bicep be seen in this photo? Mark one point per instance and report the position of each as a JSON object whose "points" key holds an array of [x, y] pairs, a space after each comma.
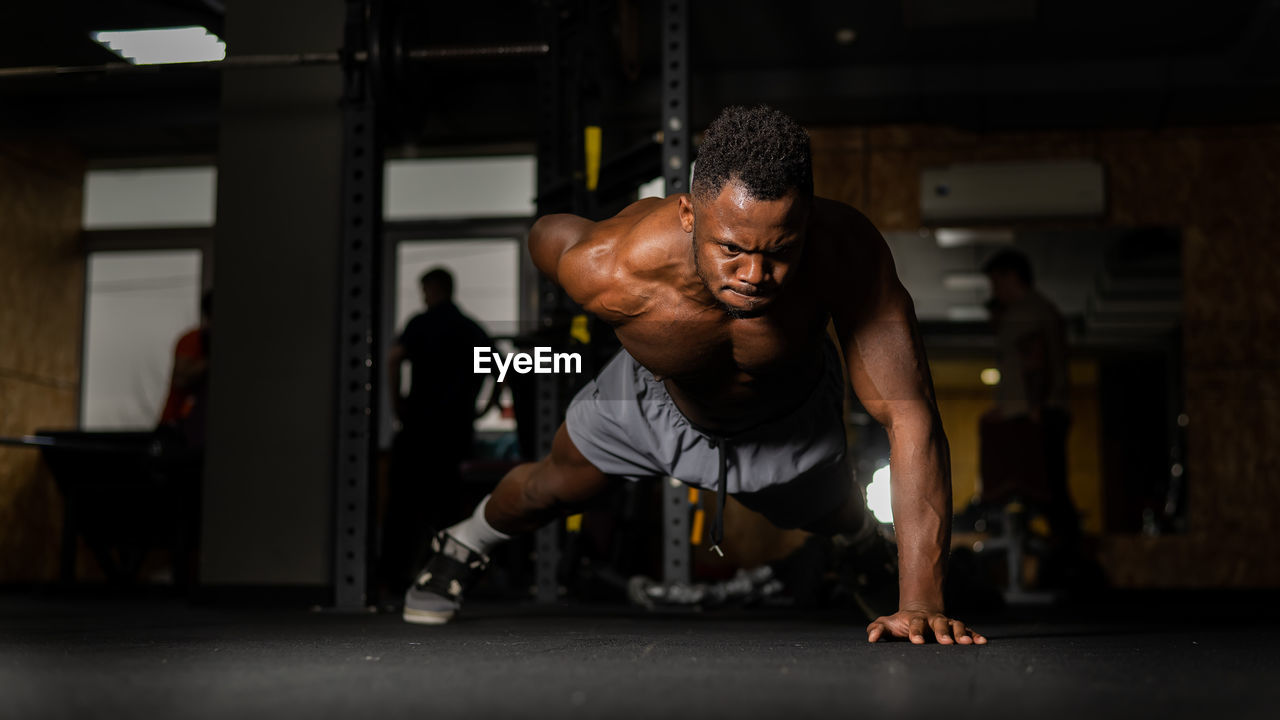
{"points": [[550, 239], [881, 337], [888, 370]]}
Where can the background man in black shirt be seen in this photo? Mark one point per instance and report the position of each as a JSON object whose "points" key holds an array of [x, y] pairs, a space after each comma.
{"points": [[436, 431]]}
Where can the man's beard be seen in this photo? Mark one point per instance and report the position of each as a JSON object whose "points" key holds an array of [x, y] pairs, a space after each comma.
{"points": [[733, 312], [740, 314]]}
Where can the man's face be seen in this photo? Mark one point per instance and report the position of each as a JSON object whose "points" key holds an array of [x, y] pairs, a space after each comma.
{"points": [[1004, 286], [433, 294], [743, 248]]}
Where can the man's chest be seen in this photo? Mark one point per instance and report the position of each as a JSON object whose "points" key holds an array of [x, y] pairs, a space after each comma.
{"points": [[676, 344]]}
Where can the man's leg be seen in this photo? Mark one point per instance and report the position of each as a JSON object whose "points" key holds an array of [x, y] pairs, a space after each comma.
{"points": [[850, 518], [530, 496], [533, 494], [864, 558]]}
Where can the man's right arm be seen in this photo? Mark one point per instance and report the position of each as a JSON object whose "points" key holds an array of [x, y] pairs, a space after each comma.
{"points": [[550, 239], [590, 259], [581, 257]]}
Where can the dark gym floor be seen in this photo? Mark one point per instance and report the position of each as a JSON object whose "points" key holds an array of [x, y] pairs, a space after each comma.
{"points": [[88, 655]]}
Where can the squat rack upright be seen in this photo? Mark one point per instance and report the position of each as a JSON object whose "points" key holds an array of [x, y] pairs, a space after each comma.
{"points": [[569, 104]]}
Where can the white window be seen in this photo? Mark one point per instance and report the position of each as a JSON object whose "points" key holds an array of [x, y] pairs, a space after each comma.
{"points": [[438, 188], [486, 288], [138, 304], [149, 198], [485, 278]]}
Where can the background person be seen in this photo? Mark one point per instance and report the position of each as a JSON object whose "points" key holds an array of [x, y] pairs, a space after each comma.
{"points": [[1031, 399], [185, 407], [436, 425]]}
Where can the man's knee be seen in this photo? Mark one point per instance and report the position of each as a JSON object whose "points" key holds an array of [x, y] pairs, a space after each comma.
{"points": [[538, 491], [849, 516], [555, 485]]}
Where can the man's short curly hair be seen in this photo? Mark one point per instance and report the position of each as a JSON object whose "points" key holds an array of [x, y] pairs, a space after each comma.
{"points": [[761, 148]]}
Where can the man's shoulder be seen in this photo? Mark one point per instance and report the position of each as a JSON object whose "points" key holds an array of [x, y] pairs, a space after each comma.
{"points": [[637, 246], [191, 344], [636, 227], [845, 238], [416, 325], [474, 328], [1032, 313], [1044, 308], [843, 221]]}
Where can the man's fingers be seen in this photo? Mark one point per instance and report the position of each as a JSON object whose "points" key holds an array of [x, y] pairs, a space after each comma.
{"points": [[944, 629], [915, 631], [941, 628]]}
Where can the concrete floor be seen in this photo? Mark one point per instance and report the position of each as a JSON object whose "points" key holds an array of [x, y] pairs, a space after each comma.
{"points": [[90, 655]]}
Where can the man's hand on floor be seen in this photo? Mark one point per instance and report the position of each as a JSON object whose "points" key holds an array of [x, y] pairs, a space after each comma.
{"points": [[916, 625]]}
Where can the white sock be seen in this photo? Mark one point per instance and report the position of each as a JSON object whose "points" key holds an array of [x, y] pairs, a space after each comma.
{"points": [[476, 533]]}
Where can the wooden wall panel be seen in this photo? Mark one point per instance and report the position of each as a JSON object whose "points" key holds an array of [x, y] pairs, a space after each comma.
{"points": [[41, 307]]}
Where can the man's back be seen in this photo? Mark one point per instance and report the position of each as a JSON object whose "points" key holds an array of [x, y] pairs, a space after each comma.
{"points": [[439, 346], [639, 272]]}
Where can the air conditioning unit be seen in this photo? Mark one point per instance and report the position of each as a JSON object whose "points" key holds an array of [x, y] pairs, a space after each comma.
{"points": [[996, 192]]}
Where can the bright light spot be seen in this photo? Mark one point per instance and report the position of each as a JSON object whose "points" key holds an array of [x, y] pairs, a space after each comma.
{"points": [[656, 187], [846, 36], [879, 500], [990, 376], [158, 46]]}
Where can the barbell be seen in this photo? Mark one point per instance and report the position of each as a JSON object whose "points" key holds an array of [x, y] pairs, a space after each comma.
{"points": [[385, 57], [241, 62]]}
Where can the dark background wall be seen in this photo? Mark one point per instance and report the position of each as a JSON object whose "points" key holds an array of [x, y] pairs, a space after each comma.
{"points": [[268, 476]]}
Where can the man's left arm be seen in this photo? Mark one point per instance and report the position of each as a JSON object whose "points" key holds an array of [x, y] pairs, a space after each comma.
{"points": [[876, 324]]}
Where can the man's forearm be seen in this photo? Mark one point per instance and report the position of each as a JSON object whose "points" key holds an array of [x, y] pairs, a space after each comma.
{"points": [[921, 484]]}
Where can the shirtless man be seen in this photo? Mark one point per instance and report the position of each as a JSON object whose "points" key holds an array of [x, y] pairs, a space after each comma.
{"points": [[727, 378]]}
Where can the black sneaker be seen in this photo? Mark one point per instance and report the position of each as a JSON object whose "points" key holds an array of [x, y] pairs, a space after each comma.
{"points": [[867, 565], [437, 593]]}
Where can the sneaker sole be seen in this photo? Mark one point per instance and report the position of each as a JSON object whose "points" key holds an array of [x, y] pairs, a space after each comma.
{"points": [[427, 617]]}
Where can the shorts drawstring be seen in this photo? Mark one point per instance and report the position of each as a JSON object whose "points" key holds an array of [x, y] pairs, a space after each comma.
{"points": [[722, 486]]}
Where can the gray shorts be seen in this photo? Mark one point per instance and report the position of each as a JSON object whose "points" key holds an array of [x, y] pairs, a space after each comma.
{"points": [[792, 469]]}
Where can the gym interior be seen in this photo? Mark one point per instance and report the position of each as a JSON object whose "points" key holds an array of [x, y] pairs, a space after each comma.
{"points": [[319, 157]]}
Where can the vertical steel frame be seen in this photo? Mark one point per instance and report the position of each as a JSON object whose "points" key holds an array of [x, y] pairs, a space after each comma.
{"points": [[357, 324], [676, 146], [554, 160], [676, 138]]}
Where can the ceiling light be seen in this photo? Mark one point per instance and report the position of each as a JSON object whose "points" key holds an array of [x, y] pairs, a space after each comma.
{"points": [[990, 376], [156, 46]]}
